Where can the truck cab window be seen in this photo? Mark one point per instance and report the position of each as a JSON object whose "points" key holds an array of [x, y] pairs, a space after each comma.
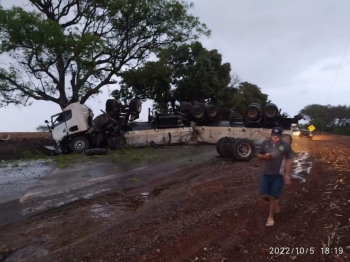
{"points": [[61, 118]]}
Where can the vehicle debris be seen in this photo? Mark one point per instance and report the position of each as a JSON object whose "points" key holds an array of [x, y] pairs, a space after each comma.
{"points": [[76, 130]]}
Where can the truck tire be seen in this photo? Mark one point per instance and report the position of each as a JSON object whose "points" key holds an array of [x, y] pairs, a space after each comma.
{"points": [[270, 111], [79, 144], [223, 146], [243, 149], [115, 142], [112, 105], [101, 120], [185, 107], [135, 106], [253, 112], [212, 112], [96, 151], [197, 112], [287, 138]]}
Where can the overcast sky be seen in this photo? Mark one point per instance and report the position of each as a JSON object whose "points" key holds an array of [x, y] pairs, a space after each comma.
{"points": [[293, 50]]}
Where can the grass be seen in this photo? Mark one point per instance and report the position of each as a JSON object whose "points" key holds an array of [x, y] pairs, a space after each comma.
{"points": [[15, 164], [134, 179], [63, 161], [126, 154], [29, 155]]}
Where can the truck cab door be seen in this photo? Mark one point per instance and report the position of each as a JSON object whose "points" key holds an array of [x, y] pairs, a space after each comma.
{"points": [[59, 126]]}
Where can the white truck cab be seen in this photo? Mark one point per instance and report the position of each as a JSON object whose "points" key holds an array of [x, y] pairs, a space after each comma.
{"points": [[75, 119]]}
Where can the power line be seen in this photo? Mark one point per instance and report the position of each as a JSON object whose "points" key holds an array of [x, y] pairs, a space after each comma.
{"points": [[339, 66]]}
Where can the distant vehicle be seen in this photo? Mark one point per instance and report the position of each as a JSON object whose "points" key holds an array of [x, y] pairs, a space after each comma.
{"points": [[296, 131], [304, 133]]}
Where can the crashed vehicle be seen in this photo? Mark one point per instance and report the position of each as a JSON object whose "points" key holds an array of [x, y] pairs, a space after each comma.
{"points": [[76, 130], [240, 136]]}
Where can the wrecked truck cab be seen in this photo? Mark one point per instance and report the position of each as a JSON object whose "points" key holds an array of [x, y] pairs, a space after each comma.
{"points": [[68, 128]]}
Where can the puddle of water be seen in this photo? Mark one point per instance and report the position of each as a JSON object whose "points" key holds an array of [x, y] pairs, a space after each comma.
{"points": [[100, 211], [26, 252], [16, 178], [112, 210], [135, 202], [301, 166]]}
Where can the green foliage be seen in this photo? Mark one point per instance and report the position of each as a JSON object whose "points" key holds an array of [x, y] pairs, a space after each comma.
{"points": [[187, 72], [246, 94], [323, 116], [66, 51]]}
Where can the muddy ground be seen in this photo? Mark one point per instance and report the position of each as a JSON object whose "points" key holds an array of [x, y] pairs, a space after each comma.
{"points": [[209, 211], [24, 145]]}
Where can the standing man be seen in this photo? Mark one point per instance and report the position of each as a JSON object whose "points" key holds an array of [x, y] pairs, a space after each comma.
{"points": [[277, 171]]}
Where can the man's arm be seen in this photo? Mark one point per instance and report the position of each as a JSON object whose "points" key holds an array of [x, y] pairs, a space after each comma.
{"points": [[262, 154], [288, 172], [288, 166]]}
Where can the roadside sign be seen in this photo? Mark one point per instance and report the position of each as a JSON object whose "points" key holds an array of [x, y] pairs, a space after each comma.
{"points": [[311, 128]]}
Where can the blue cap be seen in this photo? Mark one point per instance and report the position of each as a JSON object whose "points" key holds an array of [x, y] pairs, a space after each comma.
{"points": [[276, 131]]}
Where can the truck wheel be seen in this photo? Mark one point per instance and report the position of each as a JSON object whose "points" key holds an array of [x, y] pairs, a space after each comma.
{"points": [[112, 105], [287, 138], [135, 105], [197, 112], [185, 107], [115, 142], [79, 144], [253, 112], [96, 151], [101, 121], [243, 149], [223, 146], [270, 111], [212, 112]]}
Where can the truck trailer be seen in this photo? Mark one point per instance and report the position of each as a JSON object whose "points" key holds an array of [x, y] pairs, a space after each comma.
{"points": [[76, 130]]}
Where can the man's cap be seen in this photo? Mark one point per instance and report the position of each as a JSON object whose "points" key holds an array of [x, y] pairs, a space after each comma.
{"points": [[276, 131]]}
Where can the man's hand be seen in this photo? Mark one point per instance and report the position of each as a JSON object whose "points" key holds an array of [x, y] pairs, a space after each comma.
{"points": [[286, 179], [268, 156]]}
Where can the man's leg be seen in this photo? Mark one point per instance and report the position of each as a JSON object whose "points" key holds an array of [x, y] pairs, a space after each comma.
{"points": [[275, 191], [273, 207], [264, 188]]}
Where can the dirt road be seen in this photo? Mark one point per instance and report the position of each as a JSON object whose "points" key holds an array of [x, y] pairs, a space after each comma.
{"points": [[206, 211]]}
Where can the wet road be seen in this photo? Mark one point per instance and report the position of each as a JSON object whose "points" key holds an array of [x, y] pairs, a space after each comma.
{"points": [[28, 188]]}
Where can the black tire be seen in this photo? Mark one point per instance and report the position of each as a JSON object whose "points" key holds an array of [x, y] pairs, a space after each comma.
{"points": [[198, 112], [79, 144], [96, 151], [185, 107], [287, 138], [243, 149], [212, 112], [135, 106], [101, 120], [199, 104], [253, 112], [112, 105], [270, 111], [115, 143], [223, 146]]}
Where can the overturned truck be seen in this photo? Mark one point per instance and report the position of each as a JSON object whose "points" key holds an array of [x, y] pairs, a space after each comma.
{"points": [[76, 130]]}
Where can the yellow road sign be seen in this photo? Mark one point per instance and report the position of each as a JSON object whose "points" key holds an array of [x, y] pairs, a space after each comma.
{"points": [[311, 128]]}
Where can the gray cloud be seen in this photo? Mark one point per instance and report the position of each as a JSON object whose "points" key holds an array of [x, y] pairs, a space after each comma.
{"points": [[291, 49]]}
